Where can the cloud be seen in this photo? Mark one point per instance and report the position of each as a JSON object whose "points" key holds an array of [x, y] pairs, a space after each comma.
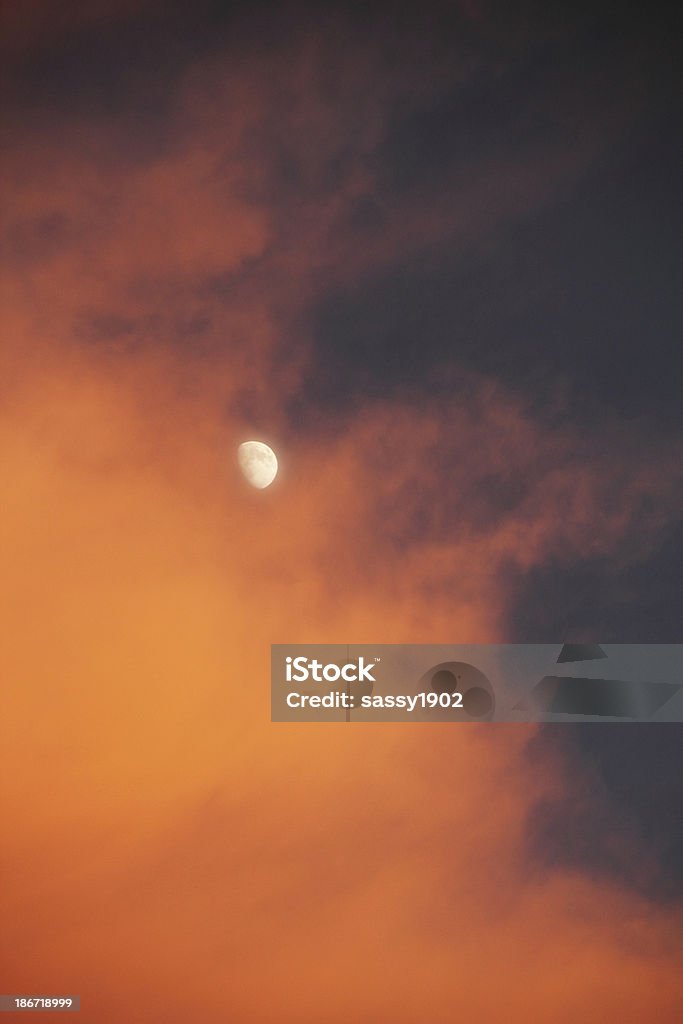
{"points": [[172, 853], [611, 819], [203, 849]]}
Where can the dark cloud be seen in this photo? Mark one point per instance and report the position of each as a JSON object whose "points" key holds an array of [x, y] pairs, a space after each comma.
{"points": [[618, 818], [579, 294], [616, 813], [32, 240], [601, 600]]}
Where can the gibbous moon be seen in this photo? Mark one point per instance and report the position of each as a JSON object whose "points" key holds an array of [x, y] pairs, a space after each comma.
{"points": [[258, 463]]}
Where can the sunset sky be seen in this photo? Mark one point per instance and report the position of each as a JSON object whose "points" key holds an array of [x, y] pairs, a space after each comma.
{"points": [[431, 254]]}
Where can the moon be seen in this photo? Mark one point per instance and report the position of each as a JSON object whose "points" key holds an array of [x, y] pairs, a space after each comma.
{"points": [[258, 463]]}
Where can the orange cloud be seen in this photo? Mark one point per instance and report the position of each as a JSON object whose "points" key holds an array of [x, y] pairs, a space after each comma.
{"points": [[165, 837]]}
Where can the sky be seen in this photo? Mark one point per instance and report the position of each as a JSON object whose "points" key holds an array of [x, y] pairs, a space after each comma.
{"points": [[431, 256]]}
